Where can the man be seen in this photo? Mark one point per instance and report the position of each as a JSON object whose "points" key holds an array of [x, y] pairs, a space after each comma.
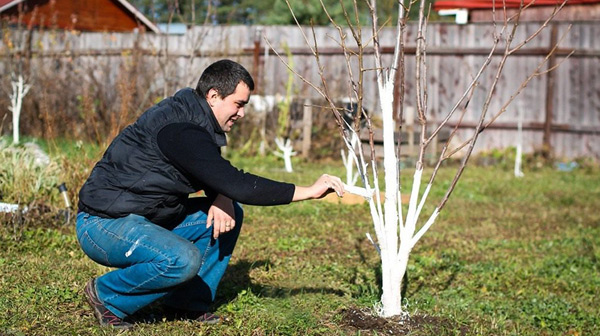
{"points": [[135, 214]]}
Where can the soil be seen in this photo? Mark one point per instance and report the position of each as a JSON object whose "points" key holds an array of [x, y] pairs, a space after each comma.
{"points": [[360, 320]]}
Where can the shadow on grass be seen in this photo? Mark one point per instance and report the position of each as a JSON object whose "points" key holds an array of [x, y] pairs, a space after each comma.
{"points": [[237, 279]]}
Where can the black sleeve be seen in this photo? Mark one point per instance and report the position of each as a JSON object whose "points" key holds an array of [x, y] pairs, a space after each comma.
{"points": [[192, 151]]}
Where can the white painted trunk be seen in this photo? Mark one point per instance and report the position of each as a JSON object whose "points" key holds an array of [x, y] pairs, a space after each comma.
{"points": [[391, 298], [347, 159], [391, 277], [519, 152], [519, 155], [20, 89], [287, 151], [396, 237], [287, 159]]}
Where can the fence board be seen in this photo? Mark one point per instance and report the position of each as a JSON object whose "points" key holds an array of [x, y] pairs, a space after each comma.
{"points": [[455, 53]]}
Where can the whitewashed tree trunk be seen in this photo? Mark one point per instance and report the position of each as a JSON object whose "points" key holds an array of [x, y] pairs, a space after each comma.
{"points": [[388, 237], [349, 162], [287, 151], [396, 236], [19, 90]]}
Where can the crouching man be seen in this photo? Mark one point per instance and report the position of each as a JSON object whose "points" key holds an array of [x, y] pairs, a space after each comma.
{"points": [[135, 214]]}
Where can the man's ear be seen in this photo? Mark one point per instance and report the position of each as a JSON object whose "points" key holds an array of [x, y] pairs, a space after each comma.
{"points": [[211, 96]]}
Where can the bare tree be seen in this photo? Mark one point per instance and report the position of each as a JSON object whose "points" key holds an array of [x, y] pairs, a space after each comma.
{"points": [[20, 55], [398, 233], [195, 38], [20, 89], [283, 139]]}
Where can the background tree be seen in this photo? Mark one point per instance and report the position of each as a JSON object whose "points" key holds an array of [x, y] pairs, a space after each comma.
{"points": [[266, 12]]}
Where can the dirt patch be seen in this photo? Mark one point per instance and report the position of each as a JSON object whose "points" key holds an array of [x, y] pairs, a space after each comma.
{"points": [[354, 320]]}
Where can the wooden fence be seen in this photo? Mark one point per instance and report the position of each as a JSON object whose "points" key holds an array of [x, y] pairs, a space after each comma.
{"points": [[560, 110]]}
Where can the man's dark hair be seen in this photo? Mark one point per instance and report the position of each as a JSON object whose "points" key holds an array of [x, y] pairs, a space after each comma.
{"points": [[223, 76]]}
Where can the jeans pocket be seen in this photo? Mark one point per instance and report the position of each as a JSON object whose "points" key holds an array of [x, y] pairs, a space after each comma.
{"points": [[93, 250]]}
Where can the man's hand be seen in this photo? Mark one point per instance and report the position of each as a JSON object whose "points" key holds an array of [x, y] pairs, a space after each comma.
{"points": [[324, 185], [222, 215]]}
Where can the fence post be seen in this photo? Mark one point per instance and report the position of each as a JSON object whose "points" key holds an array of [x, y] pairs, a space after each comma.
{"points": [[306, 128], [256, 61], [550, 85]]}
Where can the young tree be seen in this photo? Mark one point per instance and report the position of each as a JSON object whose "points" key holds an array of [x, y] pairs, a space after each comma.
{"points": [[283, 139], [19, 90], [18, 40], [396, 233]]}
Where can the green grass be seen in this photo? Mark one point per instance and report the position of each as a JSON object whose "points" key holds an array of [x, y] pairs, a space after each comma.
{"points": [[507, 256]]}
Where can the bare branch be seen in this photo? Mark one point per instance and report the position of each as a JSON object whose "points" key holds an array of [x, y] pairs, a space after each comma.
{"points": [[541, 28], [316, 88], [306, 40], [537, 72], [480, 125], [374, 25], [468, 91], [421, 83]]}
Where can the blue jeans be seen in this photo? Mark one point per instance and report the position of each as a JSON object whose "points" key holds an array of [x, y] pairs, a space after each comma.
{"points": [[183, 266]]}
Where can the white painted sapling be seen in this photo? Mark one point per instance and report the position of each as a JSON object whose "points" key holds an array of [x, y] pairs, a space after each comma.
{"points": [[519, 150], [396, 234], [19, 90], [286, 152]]}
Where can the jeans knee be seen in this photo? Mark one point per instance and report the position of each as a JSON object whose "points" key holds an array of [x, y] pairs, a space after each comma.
{"points": [[185, 263]]}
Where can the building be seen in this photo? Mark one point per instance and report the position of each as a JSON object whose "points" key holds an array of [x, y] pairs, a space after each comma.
{"points": [[539, 10], [88, 15]]}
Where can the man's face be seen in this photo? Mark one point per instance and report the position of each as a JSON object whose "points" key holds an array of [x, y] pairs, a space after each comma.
{"points": [[231, 108]]}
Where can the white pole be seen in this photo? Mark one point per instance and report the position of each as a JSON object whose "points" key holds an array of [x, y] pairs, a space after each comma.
{"points": [[519, 153]]}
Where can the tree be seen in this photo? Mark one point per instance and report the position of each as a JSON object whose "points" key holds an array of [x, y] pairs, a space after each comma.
{"points": [[283, 136], [396, 235], [19, 90], [18, 39], [264, 12]]}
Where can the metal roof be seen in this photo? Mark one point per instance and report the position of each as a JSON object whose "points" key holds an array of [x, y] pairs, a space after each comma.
{"points": [[488, 4]]}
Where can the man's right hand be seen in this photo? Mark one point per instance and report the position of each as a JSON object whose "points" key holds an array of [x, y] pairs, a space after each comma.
{"points": [[324, 185]]}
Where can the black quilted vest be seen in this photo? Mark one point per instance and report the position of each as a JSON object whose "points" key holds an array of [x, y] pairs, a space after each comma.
{"points": [[133, 177]]}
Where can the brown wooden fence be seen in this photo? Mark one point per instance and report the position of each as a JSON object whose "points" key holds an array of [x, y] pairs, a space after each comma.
{"points": [[561, 110]]}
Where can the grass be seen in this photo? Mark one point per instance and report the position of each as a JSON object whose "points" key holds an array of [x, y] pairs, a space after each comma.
{"points": [[507, 256]]}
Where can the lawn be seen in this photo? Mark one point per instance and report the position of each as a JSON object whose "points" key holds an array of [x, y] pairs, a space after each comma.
{"points": [[507, 256]]}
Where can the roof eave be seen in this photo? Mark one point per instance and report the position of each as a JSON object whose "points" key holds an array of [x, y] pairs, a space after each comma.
{"points": [[10, 5], [125, 4], [139, 16]]}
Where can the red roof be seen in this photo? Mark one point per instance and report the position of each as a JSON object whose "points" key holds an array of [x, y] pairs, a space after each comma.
{"points": [[9, 5], [488, 4]]}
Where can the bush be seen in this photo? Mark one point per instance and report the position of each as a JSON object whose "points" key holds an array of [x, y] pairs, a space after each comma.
{"points": [[27, 174]]}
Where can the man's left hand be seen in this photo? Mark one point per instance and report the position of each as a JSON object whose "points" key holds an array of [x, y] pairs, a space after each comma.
{"points": [[221, 215]]}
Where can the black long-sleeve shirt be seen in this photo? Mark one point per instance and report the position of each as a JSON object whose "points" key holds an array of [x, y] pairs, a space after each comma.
{"points": [[191, 149]]}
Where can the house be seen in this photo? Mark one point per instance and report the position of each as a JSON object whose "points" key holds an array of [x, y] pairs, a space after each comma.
{"points": [[539, 10], [88, 15]]}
